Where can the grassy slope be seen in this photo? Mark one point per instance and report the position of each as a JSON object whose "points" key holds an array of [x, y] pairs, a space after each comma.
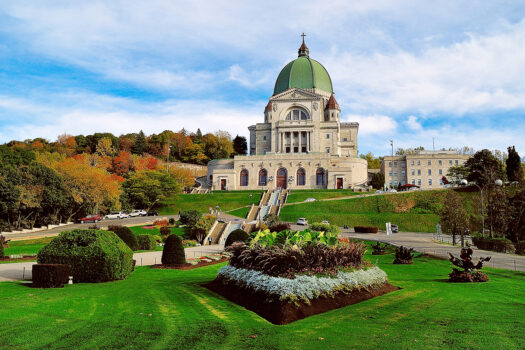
{"points": [[139, 230], [29, 246], [169, 309], [202, 202], [375, 211], [301, 195]]}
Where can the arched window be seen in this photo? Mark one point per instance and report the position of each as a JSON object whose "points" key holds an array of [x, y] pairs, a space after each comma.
{"points": [[263, 175], [244, 177], [297, 114], [319, 177], [301, 177]]}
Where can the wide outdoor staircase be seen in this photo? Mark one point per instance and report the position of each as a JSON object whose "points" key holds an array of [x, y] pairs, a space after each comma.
{"points": [[270, 203], [198, 190], [215, 232]]}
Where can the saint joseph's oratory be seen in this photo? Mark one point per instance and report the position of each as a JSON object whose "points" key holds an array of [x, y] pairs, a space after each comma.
{"points": [[301, 144]]}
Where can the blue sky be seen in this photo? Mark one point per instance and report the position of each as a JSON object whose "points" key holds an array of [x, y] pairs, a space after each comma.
{"points": [[405, 70]]}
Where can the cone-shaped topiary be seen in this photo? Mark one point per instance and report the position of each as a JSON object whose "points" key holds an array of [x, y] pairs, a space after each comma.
{"points": [[173, 252], [146, 242], [126, 235], [236, 236]]}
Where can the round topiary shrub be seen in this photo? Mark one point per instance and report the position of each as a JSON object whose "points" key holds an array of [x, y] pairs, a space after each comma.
{"points": [[173, 252], [146, 242], [94, 255], [127, 236], [236, 236]]}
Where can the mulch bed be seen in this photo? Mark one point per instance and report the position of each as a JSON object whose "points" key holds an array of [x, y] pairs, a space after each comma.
{"points": [[281, 312], [25, 258], [188, 266]]}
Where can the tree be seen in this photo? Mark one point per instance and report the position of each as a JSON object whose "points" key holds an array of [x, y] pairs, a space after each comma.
{"points": [[457, 173], [105, 147], [239, 145], [484, 168], [141, 145], [145, 189], [514, 170], [516, 219], [373, 163], [198, 136], [453, 216], [497, 211], [122, 164], [378, 181]]}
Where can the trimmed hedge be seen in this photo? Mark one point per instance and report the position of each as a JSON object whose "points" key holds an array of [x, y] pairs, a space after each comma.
{"points": [[281, 226], [94, 255], [126, 235], [50, 275], [2, 253], [173, 252], [499, 244], [365, 229], [236, 236], [520, 248], [146, 242]]}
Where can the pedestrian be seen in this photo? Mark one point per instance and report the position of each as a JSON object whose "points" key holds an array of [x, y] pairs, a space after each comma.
{"points": [[209, 240], [179, 212]]}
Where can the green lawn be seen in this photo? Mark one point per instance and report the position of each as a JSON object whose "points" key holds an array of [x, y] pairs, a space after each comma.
{"points": [[301, 195], [139, 230], [241, 212], [202, 202], [158, 309], [29, 246]]}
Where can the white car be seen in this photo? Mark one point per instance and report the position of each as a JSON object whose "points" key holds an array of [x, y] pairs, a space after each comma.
{"points": [[117, 215], [138, 212], [302, 221], [309, 200], [324, 222]]}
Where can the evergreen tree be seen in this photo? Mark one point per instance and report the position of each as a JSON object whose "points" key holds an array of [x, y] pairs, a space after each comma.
{"points": [[198, 136], [484, 168], [378, 180], [514, 171], [141, 145], [239, 145]]}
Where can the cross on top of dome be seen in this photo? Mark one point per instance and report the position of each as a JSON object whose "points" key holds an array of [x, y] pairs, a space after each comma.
{"points": [[303, 50]]}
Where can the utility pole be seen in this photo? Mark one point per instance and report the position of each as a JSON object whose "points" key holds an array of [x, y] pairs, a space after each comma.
{"points": [[392, 163], [168, 157]]}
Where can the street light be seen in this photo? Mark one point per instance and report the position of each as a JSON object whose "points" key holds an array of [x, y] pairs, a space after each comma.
{"points": [[498, 182]]}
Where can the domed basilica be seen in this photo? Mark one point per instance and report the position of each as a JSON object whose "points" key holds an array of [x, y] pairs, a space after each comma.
{"points": [[302, 143]]}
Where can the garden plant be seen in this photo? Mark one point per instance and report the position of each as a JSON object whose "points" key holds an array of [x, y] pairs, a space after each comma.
{"points": [[173, 252], [403, 255], [470, 271]]}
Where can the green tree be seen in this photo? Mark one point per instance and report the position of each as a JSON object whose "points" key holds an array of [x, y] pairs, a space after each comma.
{"points": [[373, 162], [378, 181], [497, 212], [516, 219], [240, 145], [457, 173], [146, 188], [514, 170], [453, 216], [484, 168], [141, 145]]}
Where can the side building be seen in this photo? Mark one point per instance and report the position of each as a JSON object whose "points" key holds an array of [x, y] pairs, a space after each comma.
{"points": [[424, 168]]}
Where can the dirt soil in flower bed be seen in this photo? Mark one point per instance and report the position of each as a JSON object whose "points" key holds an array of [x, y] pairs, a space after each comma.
{"points": [[188, 266], [282, 312]]}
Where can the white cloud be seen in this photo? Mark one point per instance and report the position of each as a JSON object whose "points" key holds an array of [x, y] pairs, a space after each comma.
{"points": [[412, 123], [373, 124]]}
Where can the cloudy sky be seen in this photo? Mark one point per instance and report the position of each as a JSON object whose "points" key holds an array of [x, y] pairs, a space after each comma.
{"points": [[405, 70]]}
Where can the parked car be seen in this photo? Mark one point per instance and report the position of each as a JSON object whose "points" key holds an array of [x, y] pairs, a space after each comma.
{"points": [[325, 222], [302, 221], [117, 215], [152, 213], [309, 200], [138, 212], [90, 218], [395, 228]]}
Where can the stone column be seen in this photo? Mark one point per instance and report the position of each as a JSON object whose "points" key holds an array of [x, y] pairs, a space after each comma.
{"points": [[308, 141], [300, 141]]}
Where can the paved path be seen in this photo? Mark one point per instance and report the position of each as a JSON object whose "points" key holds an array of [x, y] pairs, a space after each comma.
{"points": [[423, 243], [22, 271]]}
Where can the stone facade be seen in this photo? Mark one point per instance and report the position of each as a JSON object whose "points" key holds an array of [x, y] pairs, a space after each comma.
{"points": [[424, 169]]}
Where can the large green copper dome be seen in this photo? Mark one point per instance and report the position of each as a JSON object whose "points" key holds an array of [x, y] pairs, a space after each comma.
{"points": [[303, 73]]}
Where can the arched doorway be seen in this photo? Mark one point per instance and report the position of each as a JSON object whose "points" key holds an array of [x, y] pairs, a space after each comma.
{"points": [[282, 176], [301, 177], [319, 177], [263, 175], [244, 177]]}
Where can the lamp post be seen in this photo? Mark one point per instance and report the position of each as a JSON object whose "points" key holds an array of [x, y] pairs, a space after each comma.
{"points": [[498, 182]]}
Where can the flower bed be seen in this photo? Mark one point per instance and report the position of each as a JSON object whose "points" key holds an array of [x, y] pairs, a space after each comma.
{"points": [[287, 276]]}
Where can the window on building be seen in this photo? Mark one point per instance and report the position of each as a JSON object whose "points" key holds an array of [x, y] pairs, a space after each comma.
{"points": [[297, 114], [440, 162], [303, 149], [263, 175], [395, 182], [327, 136], [440, 171], [450, 162], [402, 173], [418, 162], [429, 162], [403, 182], [390, 164], [390, 173], [345, 139], [319, 177], [413, 181], [441, 182], [413, 172], [456, 162], [395, 173], [429, 171], [296, 149], [264, 138], [301, 177], [244, 177], [395, 164], [412, 162], [288, 149], [327, 149], [430, 182], [419, 171], [390, 184], [419, 182]]}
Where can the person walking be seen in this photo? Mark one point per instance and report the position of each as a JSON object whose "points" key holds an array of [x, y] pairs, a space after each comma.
{"points": [[209, 240]]}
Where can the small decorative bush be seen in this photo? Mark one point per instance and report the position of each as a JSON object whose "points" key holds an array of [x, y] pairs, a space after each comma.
{"points": [[379, 249], [2, 253], [463, 276], [498, 244], [471, 270], [271, 219], [281, 226], [190, 217], [126, 235], [190, 243], [160, 222], [318, 226], [520, 248], [50, 275], [365, 229], [403, 255], [157, 238], [165, 231], [173, 252], [146, 242], [236, 236], [94, 256], [171, 221]]}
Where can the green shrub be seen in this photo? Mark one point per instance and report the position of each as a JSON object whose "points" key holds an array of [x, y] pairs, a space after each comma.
{"points": [[498, 244], [173, 252], [126, 235], [271, 219], [146, 242], [403, 255], [236, 236], [520, 248], [190, 243], [165, 231], [50, 275], [281, 226], [317, 226], [190, 217], [171, 221], [2, 253], [94, 255], [157, 238]]}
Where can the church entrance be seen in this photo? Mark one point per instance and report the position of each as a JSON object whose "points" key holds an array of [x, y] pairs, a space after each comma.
{"points": [[223, 184], [339, 183], [281, 178]]}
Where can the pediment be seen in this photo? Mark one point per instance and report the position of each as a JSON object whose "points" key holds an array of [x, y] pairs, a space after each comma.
{"points": [[295, 94]]}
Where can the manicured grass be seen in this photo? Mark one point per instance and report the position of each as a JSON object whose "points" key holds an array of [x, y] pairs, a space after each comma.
{"points": [[301, 195], [160, 309], [139, 230], [241, 212], [29, 246], [202, 202]]}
